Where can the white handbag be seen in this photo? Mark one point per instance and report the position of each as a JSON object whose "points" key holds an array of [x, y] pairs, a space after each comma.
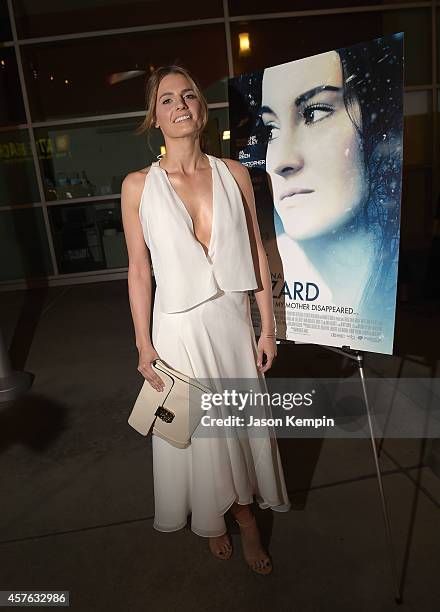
{"points": [[174, 412]]}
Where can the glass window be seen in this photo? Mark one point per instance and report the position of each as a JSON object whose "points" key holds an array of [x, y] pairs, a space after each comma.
{"points": [[438, 130], [18, 183], [217, 91], [438, 41], [252, 7], [88, 237], [91, 159], [69, 16], [418, 49], [105, 75], [417, 141], [83, 160], [417, 209], [276, 41], [24, 252], [5, 26], [216, 135], [11, 101]]}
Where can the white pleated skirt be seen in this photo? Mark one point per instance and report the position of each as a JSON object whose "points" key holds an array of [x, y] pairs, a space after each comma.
{"points": [[213, 340]]}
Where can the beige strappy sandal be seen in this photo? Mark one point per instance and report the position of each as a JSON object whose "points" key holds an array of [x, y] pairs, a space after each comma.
{"points": [[263, 565]]}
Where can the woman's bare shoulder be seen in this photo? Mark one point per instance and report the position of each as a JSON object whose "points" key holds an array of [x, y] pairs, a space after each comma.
{"points": [[237, 169], [231, 163], [133, 184], [136, 178]]}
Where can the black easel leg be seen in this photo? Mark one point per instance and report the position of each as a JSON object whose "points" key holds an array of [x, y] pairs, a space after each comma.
{"points": [[358, 356], [398, 597]]}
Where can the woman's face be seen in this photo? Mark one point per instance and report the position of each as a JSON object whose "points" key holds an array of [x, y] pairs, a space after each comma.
{"points": [[175, 98], [313, 154]]}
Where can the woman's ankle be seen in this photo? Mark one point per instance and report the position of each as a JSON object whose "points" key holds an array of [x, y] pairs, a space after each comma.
{"points": [[242, 513]]}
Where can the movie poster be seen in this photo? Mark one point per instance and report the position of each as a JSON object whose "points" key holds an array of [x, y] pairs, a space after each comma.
{"points": [[322, 139]]}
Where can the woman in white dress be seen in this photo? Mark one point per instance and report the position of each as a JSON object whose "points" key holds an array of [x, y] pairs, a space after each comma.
{"points": [[194, 215]]}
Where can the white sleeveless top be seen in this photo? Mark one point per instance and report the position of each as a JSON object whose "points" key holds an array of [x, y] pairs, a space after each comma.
{"points": [[184, 275]]}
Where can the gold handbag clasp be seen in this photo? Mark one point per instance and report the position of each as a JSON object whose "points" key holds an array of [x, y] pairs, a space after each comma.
{"points": [[164, 414]]}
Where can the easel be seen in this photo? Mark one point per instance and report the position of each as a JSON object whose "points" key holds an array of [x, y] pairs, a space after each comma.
{"points": [[358, 358]]}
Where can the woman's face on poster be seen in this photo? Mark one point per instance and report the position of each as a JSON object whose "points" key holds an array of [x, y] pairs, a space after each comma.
{"points": [[313, 153]]}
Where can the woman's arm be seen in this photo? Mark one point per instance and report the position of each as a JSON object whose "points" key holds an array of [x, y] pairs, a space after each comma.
{"points": [[139, 275], [263, 294]]}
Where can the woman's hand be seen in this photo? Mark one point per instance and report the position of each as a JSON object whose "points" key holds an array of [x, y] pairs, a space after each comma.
{"points": [[146, 356], [266, 346]]}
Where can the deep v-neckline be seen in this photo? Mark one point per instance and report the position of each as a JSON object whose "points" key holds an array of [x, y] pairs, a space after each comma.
{"points": [[185, 209]]}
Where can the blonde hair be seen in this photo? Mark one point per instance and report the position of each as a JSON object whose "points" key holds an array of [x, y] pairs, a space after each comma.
{"points": [[151, 88]]}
